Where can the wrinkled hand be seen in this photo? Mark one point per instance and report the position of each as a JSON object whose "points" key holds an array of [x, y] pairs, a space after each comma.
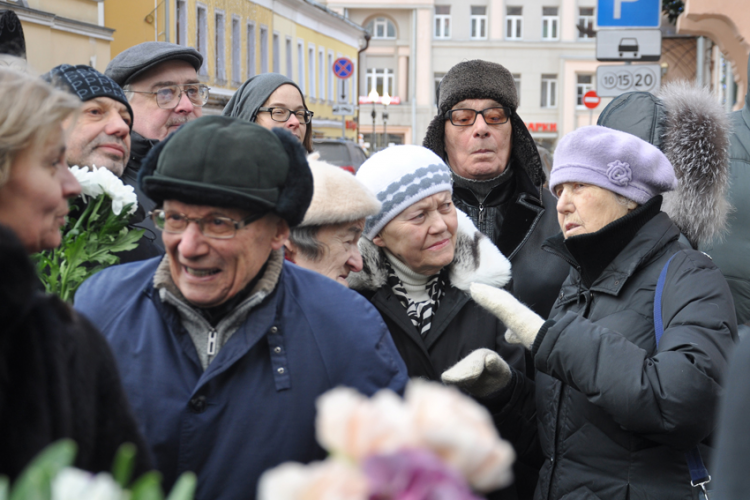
{"points": [[480, 373], [523, 324]]}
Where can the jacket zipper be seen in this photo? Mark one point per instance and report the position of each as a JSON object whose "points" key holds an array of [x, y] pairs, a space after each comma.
{"points": [[481, 215], [211, 348]]}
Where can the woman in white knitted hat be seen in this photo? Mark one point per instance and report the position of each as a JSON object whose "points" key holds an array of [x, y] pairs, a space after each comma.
{"points": [[326, 240], [420, 254]]}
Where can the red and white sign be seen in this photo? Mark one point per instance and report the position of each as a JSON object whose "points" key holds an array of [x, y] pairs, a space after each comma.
{"points": [[591, 100], [541, 127]]}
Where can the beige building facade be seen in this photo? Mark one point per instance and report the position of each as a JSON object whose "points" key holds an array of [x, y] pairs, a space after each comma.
{"points": [[415, 43], [63, 31]]}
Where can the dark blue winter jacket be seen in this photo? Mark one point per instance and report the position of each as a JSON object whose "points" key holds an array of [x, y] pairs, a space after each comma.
{"points": [[254, 406]]}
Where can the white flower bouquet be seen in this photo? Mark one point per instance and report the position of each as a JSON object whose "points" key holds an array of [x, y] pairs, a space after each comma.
{"points": [[51, 476], [97, 229], [433, 443]]}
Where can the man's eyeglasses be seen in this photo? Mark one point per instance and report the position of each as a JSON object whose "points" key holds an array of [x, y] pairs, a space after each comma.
{"points": [[466, 117], [168, 97], [283, 114], [212, 226]]}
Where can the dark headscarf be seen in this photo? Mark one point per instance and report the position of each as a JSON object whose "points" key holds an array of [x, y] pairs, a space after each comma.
{"points": [[12, 40], [254, 93]]}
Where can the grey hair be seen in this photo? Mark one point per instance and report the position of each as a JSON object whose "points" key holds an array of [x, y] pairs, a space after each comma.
{"points": [[306, 240], [622, 200]]}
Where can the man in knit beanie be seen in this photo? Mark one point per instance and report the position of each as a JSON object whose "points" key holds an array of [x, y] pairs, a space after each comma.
{"points": [[101, 134], [497, 174]]}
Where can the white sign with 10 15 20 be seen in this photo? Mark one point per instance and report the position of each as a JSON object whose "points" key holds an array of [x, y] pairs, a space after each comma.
{"points": [[612, 81]]}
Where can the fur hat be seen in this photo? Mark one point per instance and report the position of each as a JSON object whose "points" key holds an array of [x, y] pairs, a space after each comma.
{"points": [[12, 41], [338, 196], [692, 130], [613, 160], [228, 162], [479, 79], [400, 176]]}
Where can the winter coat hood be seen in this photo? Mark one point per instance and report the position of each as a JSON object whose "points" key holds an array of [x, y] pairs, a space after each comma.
{"points": [[476, 260], [692, 130]]}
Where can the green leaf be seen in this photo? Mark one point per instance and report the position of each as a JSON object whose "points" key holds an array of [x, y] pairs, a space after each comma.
{"points": [[35, 481], [147, 487], [122, 470], [184, 488]]}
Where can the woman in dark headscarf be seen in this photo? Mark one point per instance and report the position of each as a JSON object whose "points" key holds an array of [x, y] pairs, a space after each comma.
{"points": [[273, 100]]}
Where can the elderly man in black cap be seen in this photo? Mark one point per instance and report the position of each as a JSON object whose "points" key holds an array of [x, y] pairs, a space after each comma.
{"points": [[161, 82], [498, 175], [222, 345]]}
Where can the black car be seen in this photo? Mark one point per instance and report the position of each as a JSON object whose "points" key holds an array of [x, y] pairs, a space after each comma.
{"points": [[342, 153]]}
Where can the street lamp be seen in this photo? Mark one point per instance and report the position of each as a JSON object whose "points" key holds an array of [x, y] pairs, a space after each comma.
{"points": [[386, 101], [373, 95]]}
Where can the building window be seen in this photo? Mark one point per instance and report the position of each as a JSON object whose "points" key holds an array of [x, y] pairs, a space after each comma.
{"points": [[478, 23], [514, 23], [442, 21], [321, 74], [549, 91], [250, 50], [582, 86], [381, 80], [236, 49], [586, 23], [301, 66], [517, 81], [288, 57], [381, 28], [221, 68], [311, 69], [263, 49], [201, 37], [181, 22], [550, 23], [331, 78], [276, 53]]}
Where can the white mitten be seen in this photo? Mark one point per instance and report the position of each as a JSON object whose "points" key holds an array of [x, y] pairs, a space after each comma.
{"points": [[523, 322], [480, 373]]}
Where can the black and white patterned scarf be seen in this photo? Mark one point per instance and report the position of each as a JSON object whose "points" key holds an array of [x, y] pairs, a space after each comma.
{"points": [[420, 313]]}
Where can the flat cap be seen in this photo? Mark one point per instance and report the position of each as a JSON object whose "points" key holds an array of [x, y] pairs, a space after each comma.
{"points": [[227, 162], [138, 59]]}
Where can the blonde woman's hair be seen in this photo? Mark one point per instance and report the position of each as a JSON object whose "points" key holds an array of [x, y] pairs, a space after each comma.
{"points": [[30, 111]]}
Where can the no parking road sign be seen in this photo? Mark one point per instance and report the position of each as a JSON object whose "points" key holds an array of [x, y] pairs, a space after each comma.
{"points": [[343, 67]]}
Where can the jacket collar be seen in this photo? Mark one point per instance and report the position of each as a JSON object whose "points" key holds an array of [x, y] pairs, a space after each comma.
{"points": [[139, 148], [476, 259]]}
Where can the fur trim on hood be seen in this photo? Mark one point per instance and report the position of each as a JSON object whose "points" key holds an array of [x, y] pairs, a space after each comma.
{"points": [[696, 141], [692, 130], [476, 260]]}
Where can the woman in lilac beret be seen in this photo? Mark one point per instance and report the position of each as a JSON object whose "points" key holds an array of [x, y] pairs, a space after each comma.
{"points": [[626, 381]]}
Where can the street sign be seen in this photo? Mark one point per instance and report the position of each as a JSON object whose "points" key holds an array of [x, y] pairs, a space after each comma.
{"points": [[343, 109], [628, 45], [628, 14], [343, 67], [363, 99], [591, 100], [612, 81]]}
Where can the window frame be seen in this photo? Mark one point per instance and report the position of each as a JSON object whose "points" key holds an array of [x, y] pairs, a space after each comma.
{"points": [[250, 47], [236, 49], [384, 22], [586, 21], [442, 24], [582, 88], [201, 36], [263, 48], [388, 76], [553, 22], [548, 94], [479, 21], [181, 22], [513, 24], [220, 45]]}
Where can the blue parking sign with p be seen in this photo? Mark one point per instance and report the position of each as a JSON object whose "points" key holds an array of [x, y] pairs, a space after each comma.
{"points": [[628, 13]]}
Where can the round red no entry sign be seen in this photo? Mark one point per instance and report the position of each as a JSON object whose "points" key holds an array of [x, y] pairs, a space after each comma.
{"points": [[591, 100]]}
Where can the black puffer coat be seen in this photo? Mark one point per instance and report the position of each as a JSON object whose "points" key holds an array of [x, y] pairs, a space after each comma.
{"points": [[616, 414], [58, 378]]}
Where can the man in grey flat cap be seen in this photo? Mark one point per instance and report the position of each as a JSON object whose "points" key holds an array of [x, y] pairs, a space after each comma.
{"points": [[160, 80]]}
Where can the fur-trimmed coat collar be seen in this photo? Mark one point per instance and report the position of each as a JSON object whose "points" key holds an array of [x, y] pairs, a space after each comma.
{"points": [[476, 260]]}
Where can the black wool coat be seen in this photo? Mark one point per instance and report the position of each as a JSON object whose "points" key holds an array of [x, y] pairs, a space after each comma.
{"points": [[615, 414], [58, 378]]}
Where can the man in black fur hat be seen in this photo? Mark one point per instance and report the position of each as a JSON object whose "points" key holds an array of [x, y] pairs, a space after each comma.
{"points": [[222, 345], [498, 175]]}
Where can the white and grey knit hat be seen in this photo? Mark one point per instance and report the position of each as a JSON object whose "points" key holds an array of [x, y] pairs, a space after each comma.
{"points": [[400, 176]]}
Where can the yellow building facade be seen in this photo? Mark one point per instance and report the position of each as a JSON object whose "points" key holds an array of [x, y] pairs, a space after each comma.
{"points": [[243, 38], [63, 31]]}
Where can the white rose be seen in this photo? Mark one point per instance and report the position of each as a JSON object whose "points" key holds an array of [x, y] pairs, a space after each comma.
{"points": [[75, 484], [350, 424], [120, 193], [461, 432], [88, 181], [327, 480]]}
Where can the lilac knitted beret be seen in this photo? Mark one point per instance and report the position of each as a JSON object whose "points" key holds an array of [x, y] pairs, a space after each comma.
{"points": [[613, 160]]}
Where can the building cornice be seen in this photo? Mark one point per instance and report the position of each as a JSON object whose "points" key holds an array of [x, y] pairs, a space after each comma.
{"points": [[320, 19], [59, 23]]}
